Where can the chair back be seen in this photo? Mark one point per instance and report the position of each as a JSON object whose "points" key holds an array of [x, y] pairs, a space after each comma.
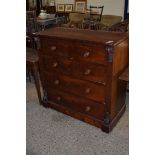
{"points": [[96, 12]]}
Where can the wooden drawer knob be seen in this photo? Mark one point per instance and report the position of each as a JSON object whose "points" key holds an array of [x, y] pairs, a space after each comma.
{"points": [[56, 82], [87, 108], [87, 72], [71, 58], [87, 91], [86, 54], [53, 48], [55, 64], [58, 98]]}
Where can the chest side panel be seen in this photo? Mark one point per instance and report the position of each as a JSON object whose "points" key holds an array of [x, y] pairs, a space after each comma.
{"points": [[120, 62]]}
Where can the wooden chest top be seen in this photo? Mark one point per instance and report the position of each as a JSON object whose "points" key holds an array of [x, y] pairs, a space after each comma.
{"points": [[84, 35]]}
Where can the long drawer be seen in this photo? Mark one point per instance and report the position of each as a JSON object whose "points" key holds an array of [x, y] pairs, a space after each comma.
{"points": [[78, 87], [74, 50], [82, 70], [75, 103]]}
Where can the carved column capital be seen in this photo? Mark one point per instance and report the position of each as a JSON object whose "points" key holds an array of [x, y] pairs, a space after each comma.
{"points": [[110, 49]]}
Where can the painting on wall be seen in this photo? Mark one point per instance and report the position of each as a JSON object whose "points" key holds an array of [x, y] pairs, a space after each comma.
{"points": [[61, 7], [80, 5], [68, 7]]}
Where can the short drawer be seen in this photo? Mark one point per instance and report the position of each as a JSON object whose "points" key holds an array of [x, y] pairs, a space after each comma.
{"points": [[54, 63], [89, 53], [78, 87], [76, 104], [90, 72], [57, 47]]}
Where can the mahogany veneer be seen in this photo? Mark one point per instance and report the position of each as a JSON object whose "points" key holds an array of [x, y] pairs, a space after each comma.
{"points": [[79, 72]]}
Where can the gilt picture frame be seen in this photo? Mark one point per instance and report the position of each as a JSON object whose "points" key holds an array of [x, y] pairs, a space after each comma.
{"points": [[60, 7], [68, 7], [80, 5]]}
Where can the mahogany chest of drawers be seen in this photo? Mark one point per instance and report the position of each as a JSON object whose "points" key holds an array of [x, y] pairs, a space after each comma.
{"points": [[79, 72]]}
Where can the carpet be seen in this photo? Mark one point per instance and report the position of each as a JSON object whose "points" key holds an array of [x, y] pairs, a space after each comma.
{"points": [[49, 132]]}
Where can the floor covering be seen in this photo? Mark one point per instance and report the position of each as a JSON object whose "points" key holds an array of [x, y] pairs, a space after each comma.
{"points": [[49, 132]]}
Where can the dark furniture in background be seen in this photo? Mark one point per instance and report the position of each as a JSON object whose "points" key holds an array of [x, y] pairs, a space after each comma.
{"points": [[50, 9], [36, 8], [31, 27], [32, 66], [65, 15], [80, 72]]}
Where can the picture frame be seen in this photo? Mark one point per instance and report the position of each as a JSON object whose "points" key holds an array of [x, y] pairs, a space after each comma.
{"points": [[51, 2], [80, 5], [60, 7], [68, 7]]}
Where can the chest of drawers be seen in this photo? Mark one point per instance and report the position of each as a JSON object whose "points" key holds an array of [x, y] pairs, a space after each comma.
{"points": [[79, 72]]}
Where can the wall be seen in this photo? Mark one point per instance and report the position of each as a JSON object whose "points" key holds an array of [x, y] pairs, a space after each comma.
{"points": [[113, 7]]}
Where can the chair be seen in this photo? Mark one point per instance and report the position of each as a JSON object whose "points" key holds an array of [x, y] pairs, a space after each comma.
{"points": [[75, 20], [121, 26], [108, 21], [95, 15]]}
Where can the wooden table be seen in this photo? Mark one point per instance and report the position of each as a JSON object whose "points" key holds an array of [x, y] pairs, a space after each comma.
{"points": [[46, 22]]}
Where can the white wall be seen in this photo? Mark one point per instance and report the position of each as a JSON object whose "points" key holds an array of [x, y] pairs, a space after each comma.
{"points": [[113, 7]]}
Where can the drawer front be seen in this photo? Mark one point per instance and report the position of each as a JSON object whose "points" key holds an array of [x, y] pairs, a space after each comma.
{"points": [[51, 46], [90, 71], [89, 53], [86, 71], [78, 87], [53, 63], [76, 104]]}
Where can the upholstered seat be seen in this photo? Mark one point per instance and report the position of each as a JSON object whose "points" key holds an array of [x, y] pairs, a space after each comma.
{"points": [[75, 20], [110, 20]]}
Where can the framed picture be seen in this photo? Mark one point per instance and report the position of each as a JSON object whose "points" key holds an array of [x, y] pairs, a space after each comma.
{"points": [[60, 7], [68, 7], [80, 5], [51, 2]]}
